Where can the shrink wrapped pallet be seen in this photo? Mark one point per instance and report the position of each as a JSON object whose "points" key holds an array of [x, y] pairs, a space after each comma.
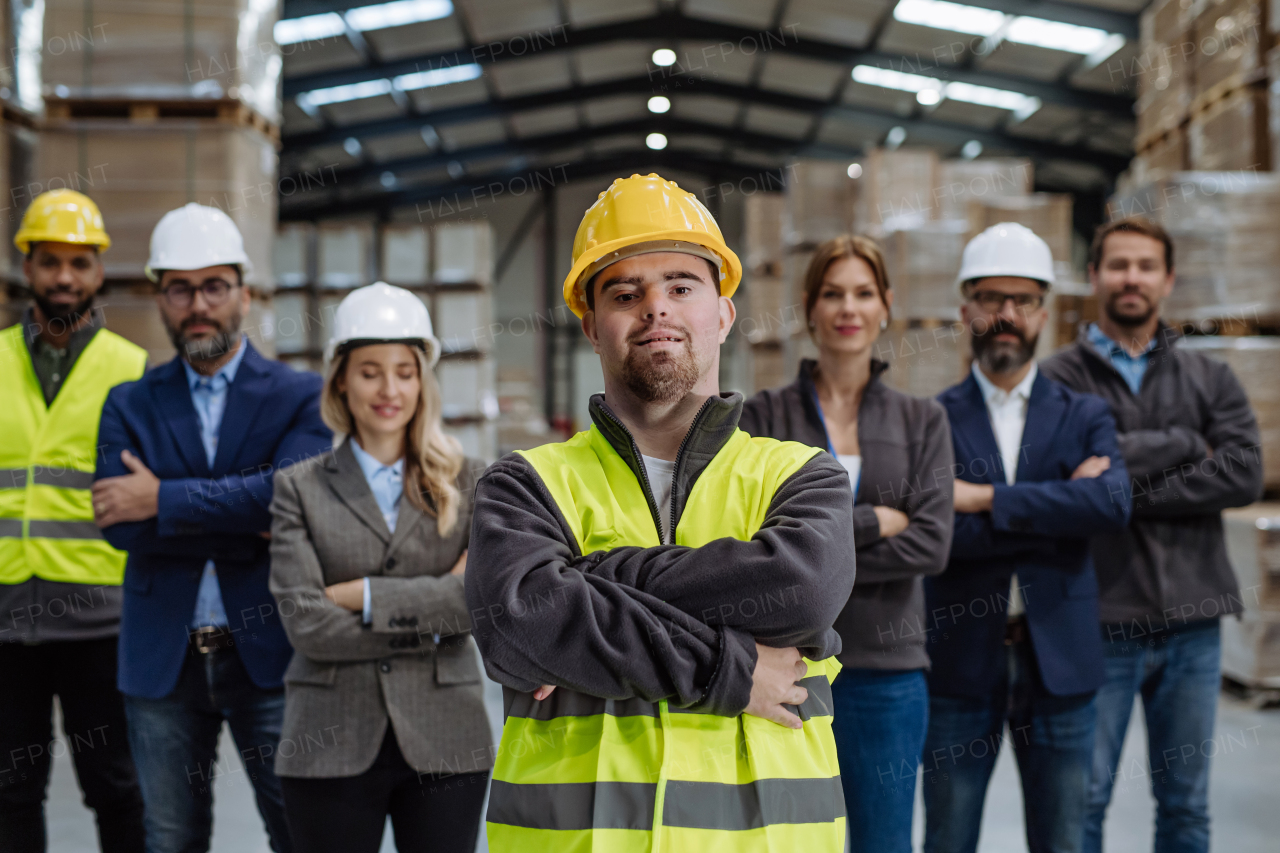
{"points": [[819, 202], [1164, 156], [922, 264], [1255, 360], [467, 388], [134, 50], [1047, 214], [344, 254], [138, 172], [923, 360], [461, 320], [774, 309], [764, 248], [462, 252], [1230, 44], [406, 255], [1164, 69], [1251, 645], [1231, 133], [961, 181], [898, 189], [292, 254], [768, 366], [1225, 249], [17, 164]]}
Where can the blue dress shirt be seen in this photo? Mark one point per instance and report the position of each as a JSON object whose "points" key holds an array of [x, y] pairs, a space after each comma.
{"points": [[209, 396], [1130, 367], [387, 484]]}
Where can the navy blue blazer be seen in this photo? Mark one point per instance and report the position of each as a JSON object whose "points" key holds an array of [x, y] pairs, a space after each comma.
{"points": [[272, 419], [1038, 528]]}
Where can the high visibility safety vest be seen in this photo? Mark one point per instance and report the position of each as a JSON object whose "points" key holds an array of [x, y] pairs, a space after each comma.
{"points": [[47, 458], [579, 773]]}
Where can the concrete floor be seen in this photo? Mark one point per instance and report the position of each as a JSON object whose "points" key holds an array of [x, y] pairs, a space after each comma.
{"points": [[1243, 796]]}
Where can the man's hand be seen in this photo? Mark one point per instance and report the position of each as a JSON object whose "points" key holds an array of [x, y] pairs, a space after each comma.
{"points": [[348, 595], [974, 497], [129, 497], [461, 566], [892, 521], [1091, 468], [773, 684]]}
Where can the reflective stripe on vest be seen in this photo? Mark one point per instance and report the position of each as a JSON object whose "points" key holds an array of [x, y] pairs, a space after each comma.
{"points": [[576, 772], [47, 461]]}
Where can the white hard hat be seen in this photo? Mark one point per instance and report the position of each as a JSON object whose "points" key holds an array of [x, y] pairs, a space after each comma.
{"points": [[194, 237], [381, 312], [1007, 248]]}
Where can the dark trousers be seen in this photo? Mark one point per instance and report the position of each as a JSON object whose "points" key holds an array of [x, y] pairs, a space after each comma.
{"points": [[1052, 738], [879, 727], [429, 813], [82, 674], [175, 745]]}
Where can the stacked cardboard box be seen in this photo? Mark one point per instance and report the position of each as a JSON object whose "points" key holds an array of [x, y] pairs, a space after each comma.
{"points": [[1255, 360], [1251, 645], [898, 189], [1164, 69], [132, 51], [769, 313], [137, 172]]}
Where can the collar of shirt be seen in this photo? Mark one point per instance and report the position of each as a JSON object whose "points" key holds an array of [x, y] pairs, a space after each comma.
{"points": [[372, 467], [225, 375], [1112, 349], [994, 396]]}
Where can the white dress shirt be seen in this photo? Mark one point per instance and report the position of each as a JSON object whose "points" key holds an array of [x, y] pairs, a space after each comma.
{"points": [[1008, 413]]}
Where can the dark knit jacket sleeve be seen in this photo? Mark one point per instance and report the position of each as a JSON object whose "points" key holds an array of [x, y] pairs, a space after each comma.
{"points": [[542, 614]]}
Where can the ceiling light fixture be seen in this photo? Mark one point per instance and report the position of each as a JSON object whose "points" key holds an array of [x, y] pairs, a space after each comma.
{"points": [[659, 104], [656, 141], [664, 57], [361, 19]]}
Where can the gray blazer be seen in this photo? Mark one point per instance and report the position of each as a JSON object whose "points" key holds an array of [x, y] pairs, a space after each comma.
{"points": [[415, 665]]}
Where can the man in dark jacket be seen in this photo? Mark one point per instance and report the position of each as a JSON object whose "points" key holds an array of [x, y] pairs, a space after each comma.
{"points": [[1011, 619], [1190, 442]]}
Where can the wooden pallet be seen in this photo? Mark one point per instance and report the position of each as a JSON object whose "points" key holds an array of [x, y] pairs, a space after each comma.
{"points": [[224, 110], [1156, 139], [1231, 327], [1220, 91]]}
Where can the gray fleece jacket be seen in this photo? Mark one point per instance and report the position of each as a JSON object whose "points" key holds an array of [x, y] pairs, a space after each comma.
{"points": [[1170, 566], [666, 622], [906, 464]]}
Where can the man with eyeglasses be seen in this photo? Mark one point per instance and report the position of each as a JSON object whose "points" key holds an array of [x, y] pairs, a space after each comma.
{"points": [[1011, 628], [184, 485], [59, 580]]}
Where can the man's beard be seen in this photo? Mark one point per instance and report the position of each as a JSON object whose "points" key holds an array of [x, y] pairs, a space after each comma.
{"points": [[208, 349], [62, 317], [1129, 320], [661, 377], [998, 356]]}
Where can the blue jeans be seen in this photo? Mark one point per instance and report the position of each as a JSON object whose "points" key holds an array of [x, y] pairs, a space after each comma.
{"points": [[1052, 740], [879, 725], [174, 741], [1177, 672]]}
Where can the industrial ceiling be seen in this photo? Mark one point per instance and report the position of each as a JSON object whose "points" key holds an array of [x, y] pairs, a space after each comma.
{"points": [[399, 104]]}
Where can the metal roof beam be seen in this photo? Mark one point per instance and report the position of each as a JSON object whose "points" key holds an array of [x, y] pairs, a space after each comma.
{"points": [[671, 26]]}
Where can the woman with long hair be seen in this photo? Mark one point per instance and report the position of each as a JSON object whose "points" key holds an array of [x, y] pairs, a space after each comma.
{"points": [[384, 714], [897, 450]]}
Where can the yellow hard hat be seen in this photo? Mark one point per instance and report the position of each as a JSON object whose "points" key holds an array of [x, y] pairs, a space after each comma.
{"points": [[62, 216], [637, 215]]}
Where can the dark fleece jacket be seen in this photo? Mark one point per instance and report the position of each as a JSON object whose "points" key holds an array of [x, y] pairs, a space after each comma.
{"points": [[661, 622]]}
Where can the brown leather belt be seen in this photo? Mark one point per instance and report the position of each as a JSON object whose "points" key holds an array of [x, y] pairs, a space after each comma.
{"points": [[205, 640], [1015, 631]]}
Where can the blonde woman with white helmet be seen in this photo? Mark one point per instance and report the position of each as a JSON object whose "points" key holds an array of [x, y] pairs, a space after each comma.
{"points": [[384, 714]]}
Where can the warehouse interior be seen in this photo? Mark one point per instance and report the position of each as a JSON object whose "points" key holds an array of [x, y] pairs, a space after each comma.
{"points": [[450, 147]]}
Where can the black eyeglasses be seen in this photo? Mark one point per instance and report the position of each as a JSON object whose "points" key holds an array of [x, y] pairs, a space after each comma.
{"points": [[994, 300], [182, 295]]}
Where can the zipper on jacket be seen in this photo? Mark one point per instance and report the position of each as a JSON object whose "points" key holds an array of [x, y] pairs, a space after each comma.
{"points": [[644, 473], [675, 473]]}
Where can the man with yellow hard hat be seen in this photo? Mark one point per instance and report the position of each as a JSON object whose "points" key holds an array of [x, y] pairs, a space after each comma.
{"points": [[59, 579], [656, 594]]}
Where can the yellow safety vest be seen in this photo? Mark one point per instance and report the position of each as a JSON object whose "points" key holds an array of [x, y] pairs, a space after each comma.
{"points": [[47, 458], [580, 773]]}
